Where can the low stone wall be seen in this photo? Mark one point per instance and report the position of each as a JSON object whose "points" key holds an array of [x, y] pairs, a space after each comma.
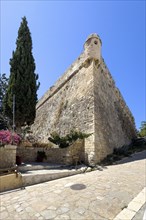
{"points": [[56, 155], [10, 182], [7, 156]]}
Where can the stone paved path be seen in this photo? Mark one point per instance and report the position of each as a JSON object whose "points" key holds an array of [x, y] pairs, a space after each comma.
{"points": [[98, 195]]}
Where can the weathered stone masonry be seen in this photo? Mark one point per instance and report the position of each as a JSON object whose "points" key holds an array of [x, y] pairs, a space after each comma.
{"points": [[86, 98]]}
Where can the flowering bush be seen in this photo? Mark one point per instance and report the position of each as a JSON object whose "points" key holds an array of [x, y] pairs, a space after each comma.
{"points": [[7, 137]]}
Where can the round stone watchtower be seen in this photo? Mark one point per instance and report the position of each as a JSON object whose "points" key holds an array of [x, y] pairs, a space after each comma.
{"points": [[92, 47]]}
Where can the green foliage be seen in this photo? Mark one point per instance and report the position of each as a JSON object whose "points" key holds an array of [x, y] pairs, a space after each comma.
{"points": [[23, 80], [67, 140], [25, 131], [3, 89], [137, 145], [142, 132], [3, 122]]}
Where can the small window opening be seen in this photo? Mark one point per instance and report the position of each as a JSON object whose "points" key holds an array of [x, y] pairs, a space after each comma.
{"points": [[95, 42]]}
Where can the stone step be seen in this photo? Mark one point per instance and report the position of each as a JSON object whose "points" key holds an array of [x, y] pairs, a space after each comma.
{"points": [[31, 177], [38, 166], [40, 176]]}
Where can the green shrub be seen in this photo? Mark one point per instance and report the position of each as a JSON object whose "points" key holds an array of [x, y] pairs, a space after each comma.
{"points": [[137, 145], [67, 140], [142, 132]]}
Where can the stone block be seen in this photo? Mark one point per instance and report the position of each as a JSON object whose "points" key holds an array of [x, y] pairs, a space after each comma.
{"points": [[126, 214], [10, 182], [7, 156], [134, 206]]}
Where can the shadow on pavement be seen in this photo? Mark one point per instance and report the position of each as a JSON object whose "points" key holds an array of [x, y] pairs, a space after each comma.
{"points": [[136, 156]]}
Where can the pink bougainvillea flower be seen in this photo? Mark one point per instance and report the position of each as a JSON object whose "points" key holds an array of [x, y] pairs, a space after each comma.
{"points": [[7, 137]]}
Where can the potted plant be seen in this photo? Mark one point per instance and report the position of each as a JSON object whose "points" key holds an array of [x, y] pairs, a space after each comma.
{"points": [[9, 138], [41, 155], [8, 144]]}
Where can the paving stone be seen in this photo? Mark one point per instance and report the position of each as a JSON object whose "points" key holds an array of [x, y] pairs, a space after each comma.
{"points": [[99, 197], [24, 216], [2, 208], [75, 215], [37, 215], [66, 205], [19, 209], [16, 216], [80, 210], [48, 214], [52, 208], [40, 218], [29, 209], [82, 202], [16, 206], [24, 205], [10, 208], [31, 214], [57, 191], [62, 217], [62, 210], [38, 205], [93, 216], [4, 215], [68, 184]]}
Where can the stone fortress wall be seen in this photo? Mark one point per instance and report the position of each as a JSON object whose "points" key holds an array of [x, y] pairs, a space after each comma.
{"points": [[86, 98]]}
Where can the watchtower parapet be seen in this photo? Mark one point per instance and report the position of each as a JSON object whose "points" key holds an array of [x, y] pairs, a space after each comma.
{"points": [[92, 47]]}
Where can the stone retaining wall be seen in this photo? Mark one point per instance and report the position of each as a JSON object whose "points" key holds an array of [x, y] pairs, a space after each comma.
{"points": [[7, 156], [56, 155]]}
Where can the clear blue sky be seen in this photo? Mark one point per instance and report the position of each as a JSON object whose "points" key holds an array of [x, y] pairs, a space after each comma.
{"points": [[59, 30]]}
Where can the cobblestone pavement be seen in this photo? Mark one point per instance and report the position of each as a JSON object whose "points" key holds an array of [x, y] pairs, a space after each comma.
{"points": [[98, 195]]}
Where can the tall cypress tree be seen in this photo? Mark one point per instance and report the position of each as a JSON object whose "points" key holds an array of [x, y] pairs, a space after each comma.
{"points": [[23, 80], [3, 89]]}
